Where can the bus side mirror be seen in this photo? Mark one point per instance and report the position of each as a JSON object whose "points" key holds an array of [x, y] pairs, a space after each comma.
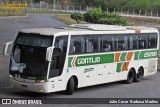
{"points": [[5, 48], [49, 52], [52, 51]]}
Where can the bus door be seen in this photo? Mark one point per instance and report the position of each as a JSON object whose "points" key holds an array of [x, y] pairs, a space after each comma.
{"points": [[57, 64]]}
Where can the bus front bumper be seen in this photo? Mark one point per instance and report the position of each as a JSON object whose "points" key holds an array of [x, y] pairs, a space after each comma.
{"points": [[35, 87]]}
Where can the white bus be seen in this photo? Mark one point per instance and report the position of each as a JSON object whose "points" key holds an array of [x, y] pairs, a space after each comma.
{"points": [[55, 59]]}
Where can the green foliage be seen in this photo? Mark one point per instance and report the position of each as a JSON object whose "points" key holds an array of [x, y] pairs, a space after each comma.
{"points": [[131, 4], [121, 4], [77, 16], [112, 21], [92, 15], [155, 5], [98, 16]]}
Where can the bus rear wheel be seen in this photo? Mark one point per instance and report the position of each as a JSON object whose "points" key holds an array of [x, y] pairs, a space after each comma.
{"points": [[130, 76], [70, 86], [139, 75]]}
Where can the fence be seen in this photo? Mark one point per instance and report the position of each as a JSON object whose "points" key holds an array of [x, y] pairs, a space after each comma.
{"points": [[51, 8], [12, 11], [136, 12], [37, 8]]}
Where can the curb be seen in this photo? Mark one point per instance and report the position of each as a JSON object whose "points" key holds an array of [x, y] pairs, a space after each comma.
{"points": [[14, 16]]}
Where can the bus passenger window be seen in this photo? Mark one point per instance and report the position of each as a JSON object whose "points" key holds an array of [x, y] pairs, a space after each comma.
{"points": [[143, 41], [93, 43], [96, 43], [133, 42], [108, 43], [89, 45], [152, 40], [77, 45], [106, 47], [122, 42], [72, 48]]}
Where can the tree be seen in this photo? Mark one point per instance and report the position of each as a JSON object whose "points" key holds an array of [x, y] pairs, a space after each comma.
{"points": [[98, 16], [92, 15], [77, 16]]}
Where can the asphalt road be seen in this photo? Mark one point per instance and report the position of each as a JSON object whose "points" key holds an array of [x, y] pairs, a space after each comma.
{"points": [[149, 87]]}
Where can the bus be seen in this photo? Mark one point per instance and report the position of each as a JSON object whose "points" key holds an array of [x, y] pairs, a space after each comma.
{"points": [[63, 59]]}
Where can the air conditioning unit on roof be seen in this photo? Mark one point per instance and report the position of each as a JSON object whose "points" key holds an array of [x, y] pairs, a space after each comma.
{"points": [[99, 27]]}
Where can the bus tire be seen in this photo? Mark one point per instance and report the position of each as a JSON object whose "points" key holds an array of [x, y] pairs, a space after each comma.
{"points": [[70, 86], [139, 75], [130, 76]]}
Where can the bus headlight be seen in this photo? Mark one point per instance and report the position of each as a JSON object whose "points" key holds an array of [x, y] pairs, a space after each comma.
{"points": [[41, 81], [11, 76]]}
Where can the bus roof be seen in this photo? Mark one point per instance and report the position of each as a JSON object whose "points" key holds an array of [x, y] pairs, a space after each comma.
{"points": [[87, 27]]}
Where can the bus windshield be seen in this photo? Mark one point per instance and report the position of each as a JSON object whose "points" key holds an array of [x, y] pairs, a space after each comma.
{"points": [[28, 55]]}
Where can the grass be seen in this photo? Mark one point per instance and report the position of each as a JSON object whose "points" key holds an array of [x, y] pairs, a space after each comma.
{"points": [[132, 21], [142, 21], [67, 19]]}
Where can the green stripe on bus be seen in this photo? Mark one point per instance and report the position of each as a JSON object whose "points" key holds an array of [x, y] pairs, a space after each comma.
{"points": [[148, 54], [119, 65], [70, 61], [136, 55], [92, 60], [123, 56], [108, 58]]}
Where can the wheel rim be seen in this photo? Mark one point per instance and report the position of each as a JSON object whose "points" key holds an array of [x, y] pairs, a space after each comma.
{"points": [[130, 76], [139, 74]]}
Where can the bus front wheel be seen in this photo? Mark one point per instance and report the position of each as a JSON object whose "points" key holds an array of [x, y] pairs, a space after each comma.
{"points": [[70, 86], [130, 76]]}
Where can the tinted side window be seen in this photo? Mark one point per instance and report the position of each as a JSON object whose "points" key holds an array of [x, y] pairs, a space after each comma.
{"points": [[61, 42], [93, 43], [121, 42], [77, 44], [152, 41], [133, 42], [89, 44], [142, 41], [108, 43]]}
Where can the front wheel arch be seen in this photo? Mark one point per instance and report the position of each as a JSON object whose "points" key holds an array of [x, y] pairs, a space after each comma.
{"points": [[75, 81], [72, 85]]}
